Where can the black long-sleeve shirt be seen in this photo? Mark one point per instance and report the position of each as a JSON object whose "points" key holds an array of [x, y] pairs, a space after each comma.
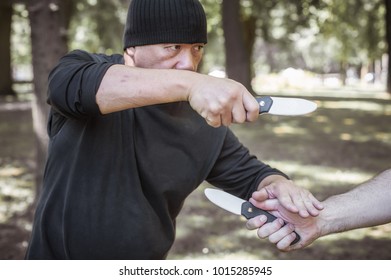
{"points": [[115, 183]]}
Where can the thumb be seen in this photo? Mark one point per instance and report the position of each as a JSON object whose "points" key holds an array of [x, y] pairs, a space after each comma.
{"points": [[268, 204], [260, 195]]}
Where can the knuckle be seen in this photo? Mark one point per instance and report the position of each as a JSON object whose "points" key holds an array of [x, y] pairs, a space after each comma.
{"points": [[273, 239], [254, 107], [261, 234], [240, 118], [282, 247], [214, 124], [214, 110], [251, 224]]}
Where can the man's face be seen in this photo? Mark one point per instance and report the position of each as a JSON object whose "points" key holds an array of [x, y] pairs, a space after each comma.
{"points": [[165, 56]]}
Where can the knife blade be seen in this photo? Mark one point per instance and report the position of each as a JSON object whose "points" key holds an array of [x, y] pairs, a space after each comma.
{"points": [[285, 106], [239, 206]]}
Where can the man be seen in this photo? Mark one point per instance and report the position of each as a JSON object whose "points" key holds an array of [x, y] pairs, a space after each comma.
{"points": [[132, 136], [366, 205]]}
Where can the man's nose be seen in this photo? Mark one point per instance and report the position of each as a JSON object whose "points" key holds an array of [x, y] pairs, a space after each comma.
{"points": [[186, 61]]}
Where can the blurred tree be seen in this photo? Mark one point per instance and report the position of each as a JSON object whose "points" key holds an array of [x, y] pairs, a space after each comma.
{"points": [[214, 55], [358, 26], [5, 48], [263, 11], [274, 23], [239, 34], [97, 26], [20, 43], [388, 40], [49, 20]]}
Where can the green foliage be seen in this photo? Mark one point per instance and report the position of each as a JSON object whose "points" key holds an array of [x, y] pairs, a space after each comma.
{"points": [[20, 41], [214, 56], [310, 34], [97, 26], [358, 26], [317, 35]]}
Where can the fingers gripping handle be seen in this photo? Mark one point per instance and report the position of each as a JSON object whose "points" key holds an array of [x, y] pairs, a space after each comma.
{"points": [[250, 211]]}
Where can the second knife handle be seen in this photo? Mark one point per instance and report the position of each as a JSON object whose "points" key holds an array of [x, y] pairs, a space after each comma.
{"points": [[265, 103], [250, 211]]}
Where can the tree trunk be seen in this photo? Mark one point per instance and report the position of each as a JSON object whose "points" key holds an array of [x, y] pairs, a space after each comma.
{"points": [[388, 40], [238, 56], [48, 44], [5, 49]]}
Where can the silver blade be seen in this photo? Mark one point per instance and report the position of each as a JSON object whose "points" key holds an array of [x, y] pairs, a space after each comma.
{"points": [[225, 200], [291, 106], [284, 106]]}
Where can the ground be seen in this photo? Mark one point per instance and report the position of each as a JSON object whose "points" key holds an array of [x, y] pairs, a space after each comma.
{"points": [[345, 142]]}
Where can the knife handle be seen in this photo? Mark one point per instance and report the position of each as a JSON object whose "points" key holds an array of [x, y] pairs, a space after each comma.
{"points": [[265, 103], [250, 211]]}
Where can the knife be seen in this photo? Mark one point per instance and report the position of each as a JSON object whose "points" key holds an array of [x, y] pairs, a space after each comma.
{"points": [[239, 206], [285, 106]]}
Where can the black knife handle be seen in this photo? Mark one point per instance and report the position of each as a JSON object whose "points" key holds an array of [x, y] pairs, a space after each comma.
{"points": [[250, 211], [265, 103]]}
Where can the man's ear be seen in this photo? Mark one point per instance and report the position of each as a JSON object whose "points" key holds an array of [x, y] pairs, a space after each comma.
{"points": [[129, 56]]}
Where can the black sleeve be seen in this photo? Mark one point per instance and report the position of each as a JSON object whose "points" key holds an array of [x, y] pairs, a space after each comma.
{"points": [[73, 83], [237, 171]]}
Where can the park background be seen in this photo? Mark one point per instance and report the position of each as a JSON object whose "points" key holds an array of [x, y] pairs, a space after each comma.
{"points": [[333, 52]]}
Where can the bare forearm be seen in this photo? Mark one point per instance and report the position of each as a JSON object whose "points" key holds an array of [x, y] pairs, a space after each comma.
{"points": [[369, 204], [218, 101], [125, 87]]}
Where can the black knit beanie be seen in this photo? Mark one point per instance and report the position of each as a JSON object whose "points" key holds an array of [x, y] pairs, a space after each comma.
{"points": [[165, 21]]}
